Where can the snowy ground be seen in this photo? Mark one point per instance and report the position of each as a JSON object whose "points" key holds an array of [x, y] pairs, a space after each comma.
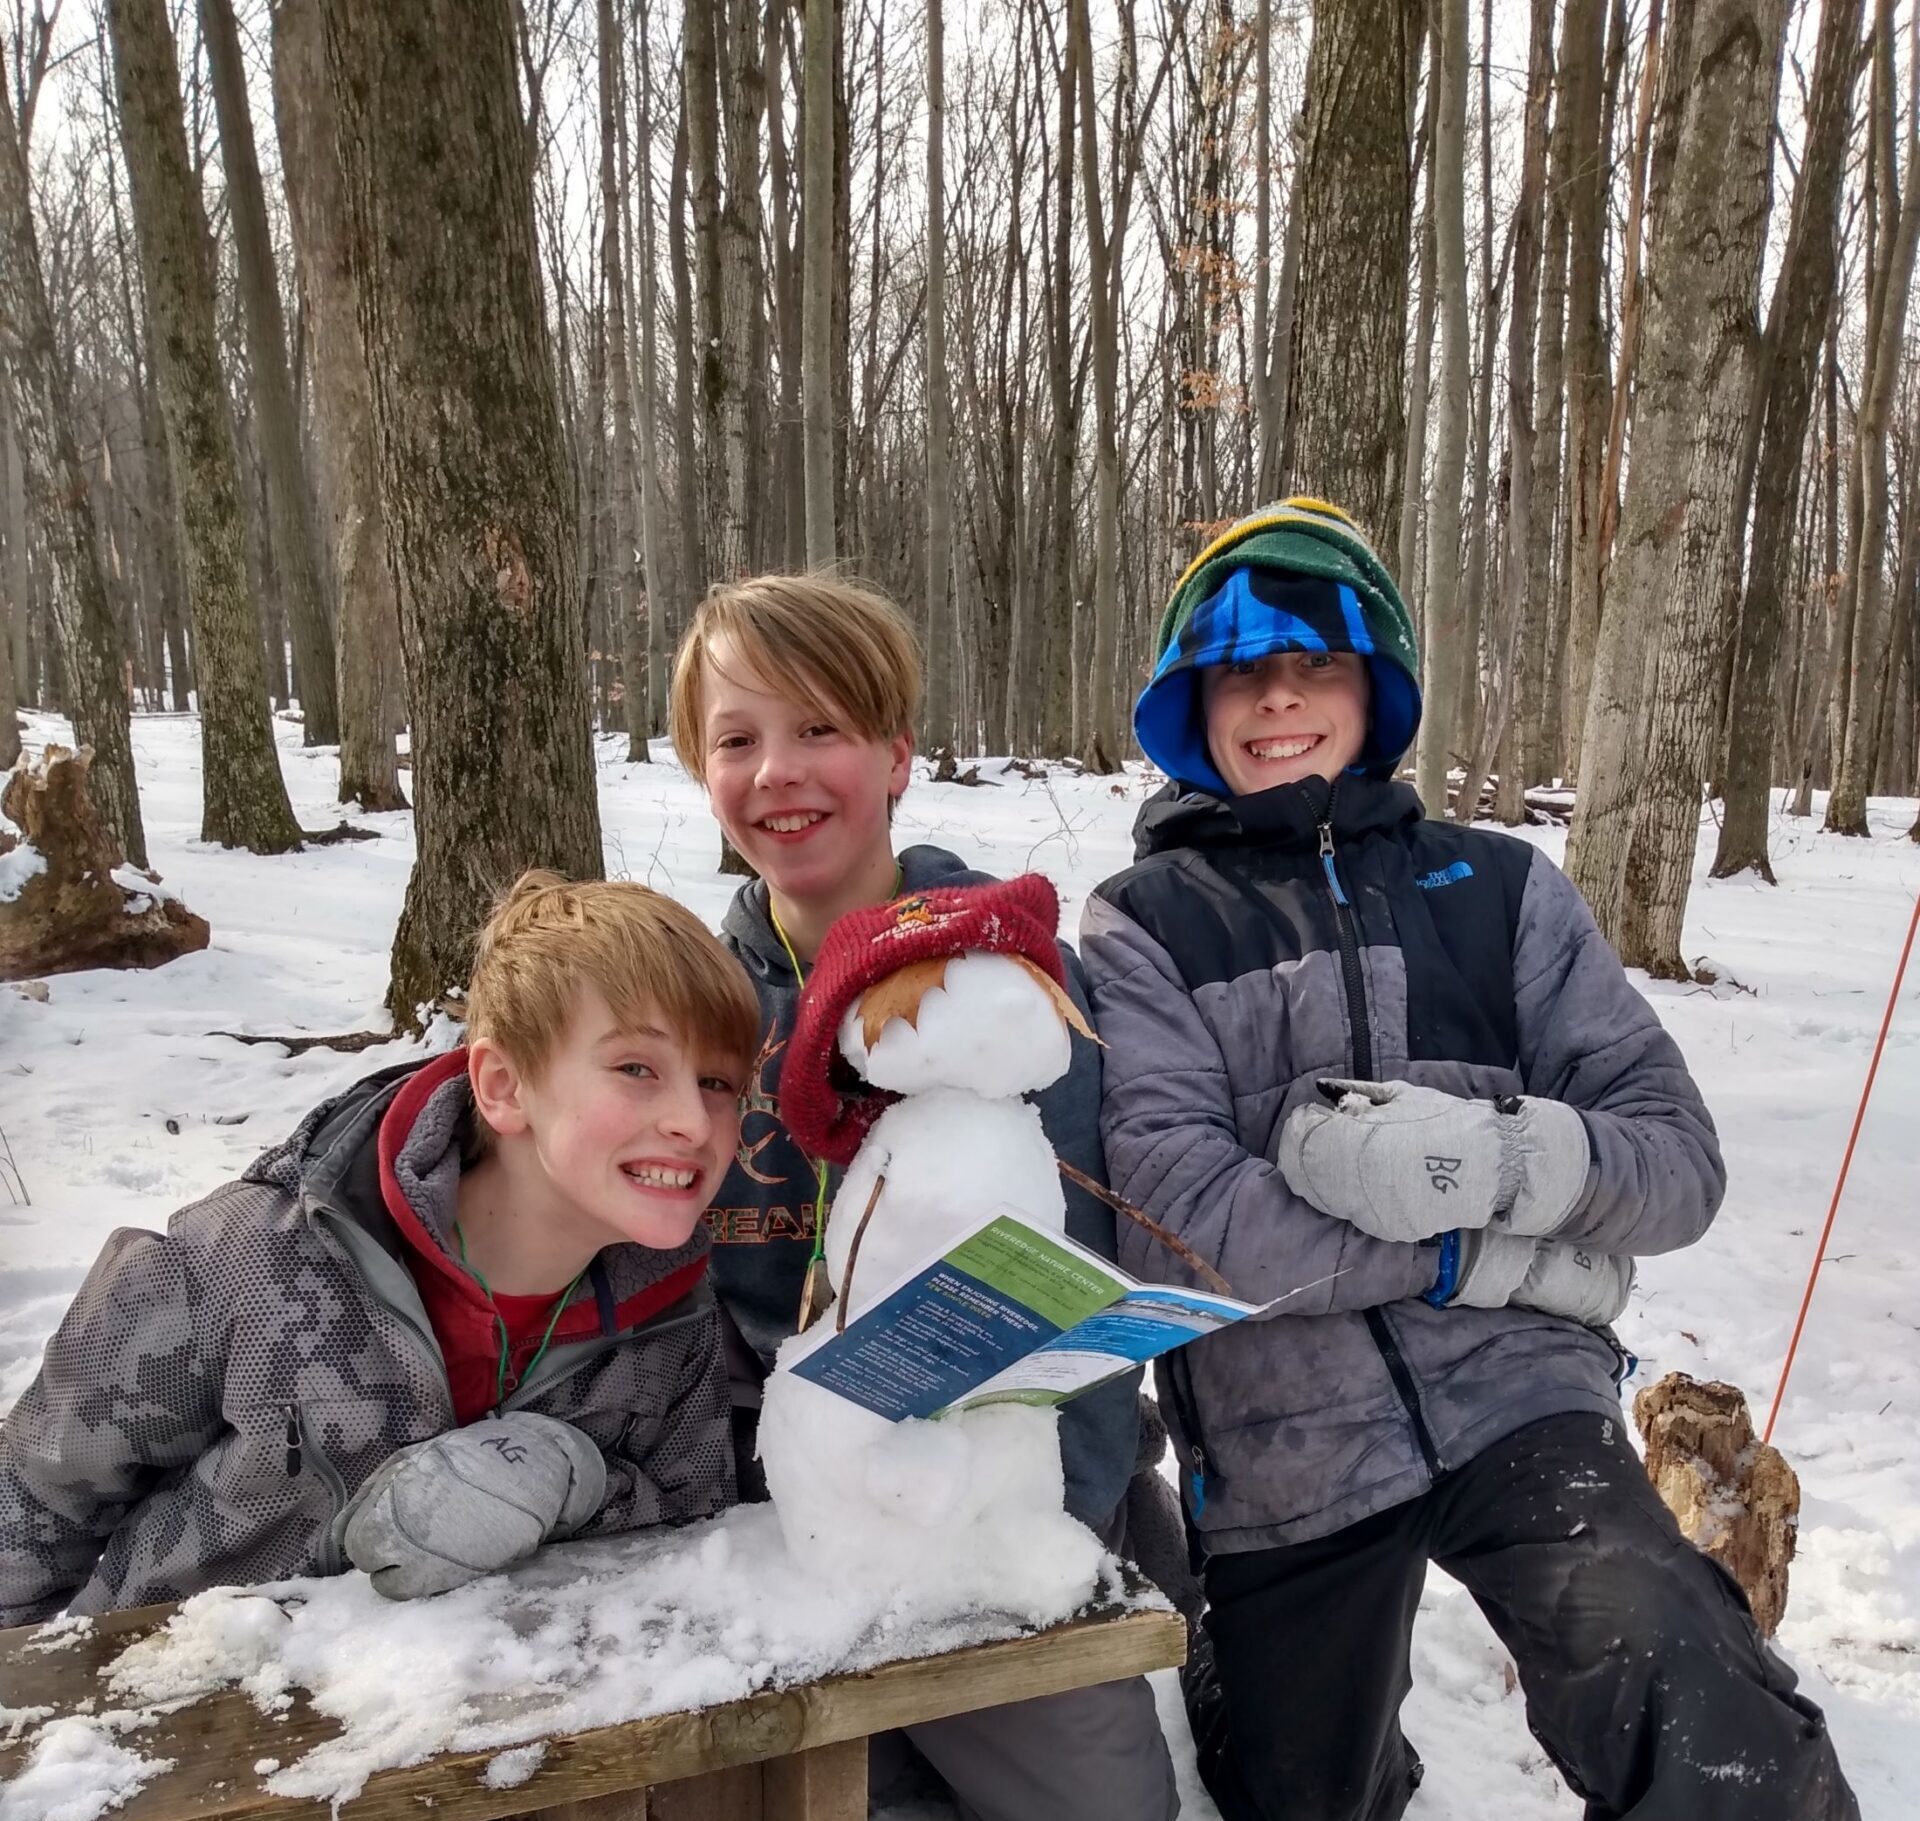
{"points": [[118, 1104]]}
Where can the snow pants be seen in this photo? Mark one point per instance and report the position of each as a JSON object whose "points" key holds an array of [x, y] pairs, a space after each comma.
{"points": [[1092, 1754], [1646, 1680]]}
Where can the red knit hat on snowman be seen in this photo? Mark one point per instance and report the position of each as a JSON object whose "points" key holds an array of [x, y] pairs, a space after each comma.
{"points": [[823, 1103]]}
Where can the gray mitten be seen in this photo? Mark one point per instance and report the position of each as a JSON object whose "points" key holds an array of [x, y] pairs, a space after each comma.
{"points": [[471, 1502], [1404, 1162], [1492, 1268], [1583, 1285]]}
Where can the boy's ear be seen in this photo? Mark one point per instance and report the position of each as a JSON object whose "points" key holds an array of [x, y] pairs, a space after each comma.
{"points": [[900, 755], [497, 1087]]}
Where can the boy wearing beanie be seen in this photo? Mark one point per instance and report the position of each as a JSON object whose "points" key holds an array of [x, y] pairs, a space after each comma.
{"points": [[1391, 1064]]}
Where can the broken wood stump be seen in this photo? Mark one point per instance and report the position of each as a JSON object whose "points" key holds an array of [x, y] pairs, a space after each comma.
{"points": [[1735, 1496], [68, 899]]}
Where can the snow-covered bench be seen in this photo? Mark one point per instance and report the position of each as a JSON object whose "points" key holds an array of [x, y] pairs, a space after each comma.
{"points": [[795, 1753]]}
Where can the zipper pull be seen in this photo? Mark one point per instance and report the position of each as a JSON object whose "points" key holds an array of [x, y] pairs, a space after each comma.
{"points": [[1326, 864], [293, 1441]]}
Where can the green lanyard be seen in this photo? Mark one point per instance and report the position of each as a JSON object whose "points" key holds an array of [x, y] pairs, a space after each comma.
{"points": [[819, 1168], [500, 1322]]}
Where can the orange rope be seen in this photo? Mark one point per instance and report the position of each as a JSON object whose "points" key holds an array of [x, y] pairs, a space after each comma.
{"points": [[1846, 1162]]}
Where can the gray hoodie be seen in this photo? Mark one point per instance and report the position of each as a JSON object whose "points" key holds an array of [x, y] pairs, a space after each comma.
{"points": [[763, 1221]]}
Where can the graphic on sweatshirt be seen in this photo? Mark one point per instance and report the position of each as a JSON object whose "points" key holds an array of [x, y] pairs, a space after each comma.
{"points": [[769, 1157]]}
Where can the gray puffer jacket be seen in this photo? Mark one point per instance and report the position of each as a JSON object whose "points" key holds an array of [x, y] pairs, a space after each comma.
{"points": [[216, 1393], [1262, 944]]}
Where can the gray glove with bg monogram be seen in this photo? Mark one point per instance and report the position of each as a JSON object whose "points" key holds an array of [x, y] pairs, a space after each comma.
{"points": [[1583, 1285], [471, 1502], [1491, 1270], [1404, 1162]]}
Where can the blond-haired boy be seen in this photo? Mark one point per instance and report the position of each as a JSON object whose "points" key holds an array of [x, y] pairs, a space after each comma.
{"points": [[793, 701], [460, 1312]]}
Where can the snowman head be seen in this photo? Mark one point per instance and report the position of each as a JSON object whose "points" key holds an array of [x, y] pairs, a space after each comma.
{"points": [[954, 987], [991, 1024]]}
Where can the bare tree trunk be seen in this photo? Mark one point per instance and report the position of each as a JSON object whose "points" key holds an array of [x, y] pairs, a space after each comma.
{"points": [[367, 650], [1100, 745], [1583, 182], [1413, 482], [15, 581], [741, 337], [1524, 592], [1536, 599], [941, 718], [1447, 660], [816, 281], [623, 604], [1609, 718], [687, 369], [13, 606], [158, 522], [1803, 302], [1268, 430], [702, 22], [1056, 629], [1346, 417], [1819, 690], [245, 798], [277, 424], [1477, 577], [473, 469], [56, 487], [661, 586], [1886, 321], [1611, 701], [1679, 544]]}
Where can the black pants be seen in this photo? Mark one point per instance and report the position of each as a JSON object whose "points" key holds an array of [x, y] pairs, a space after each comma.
{"points": [[1645, 1678]]}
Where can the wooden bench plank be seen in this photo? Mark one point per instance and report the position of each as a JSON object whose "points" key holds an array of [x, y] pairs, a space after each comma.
{"points": [[216, 1741], [736, 1794], [826, 1784]]}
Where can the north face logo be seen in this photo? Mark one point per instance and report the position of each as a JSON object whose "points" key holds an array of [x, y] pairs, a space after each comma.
{"points": [[1445, 875]]}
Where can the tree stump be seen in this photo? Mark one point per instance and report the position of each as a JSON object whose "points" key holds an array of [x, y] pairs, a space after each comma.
{"points": [[68, 900], [1734, 1496]]}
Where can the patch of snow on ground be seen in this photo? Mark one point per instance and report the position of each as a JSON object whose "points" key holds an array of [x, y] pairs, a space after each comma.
{"points": [[120, 1107]]}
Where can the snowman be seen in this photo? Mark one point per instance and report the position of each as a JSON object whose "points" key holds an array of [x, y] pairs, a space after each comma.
{"points": [[924, 1024]]}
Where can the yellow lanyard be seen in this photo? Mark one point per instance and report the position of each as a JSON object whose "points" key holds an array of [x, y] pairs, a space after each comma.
{"points": [[819, 1167]]}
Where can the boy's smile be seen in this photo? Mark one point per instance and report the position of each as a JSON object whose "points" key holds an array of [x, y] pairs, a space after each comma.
{"points": [[1283, 717], [802, 795], [623, 1135]]}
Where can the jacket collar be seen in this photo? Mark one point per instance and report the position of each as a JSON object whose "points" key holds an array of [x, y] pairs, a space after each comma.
{"points": [[1288, 816]]}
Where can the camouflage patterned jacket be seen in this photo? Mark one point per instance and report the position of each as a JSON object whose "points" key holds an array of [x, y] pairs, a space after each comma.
{"points": [[217, 1392]]}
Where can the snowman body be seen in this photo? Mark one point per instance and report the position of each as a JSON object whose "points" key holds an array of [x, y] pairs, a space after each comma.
{"points": [[971, 1504]]}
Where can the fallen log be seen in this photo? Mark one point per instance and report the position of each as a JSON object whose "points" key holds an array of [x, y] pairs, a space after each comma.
{"points": [[68, 898]]}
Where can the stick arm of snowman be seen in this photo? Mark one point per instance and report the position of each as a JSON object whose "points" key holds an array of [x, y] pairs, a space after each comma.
{"points": [[1141, 1218]]}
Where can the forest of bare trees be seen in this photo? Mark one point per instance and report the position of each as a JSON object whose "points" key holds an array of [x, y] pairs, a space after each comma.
{"points": [[412, 369]]}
